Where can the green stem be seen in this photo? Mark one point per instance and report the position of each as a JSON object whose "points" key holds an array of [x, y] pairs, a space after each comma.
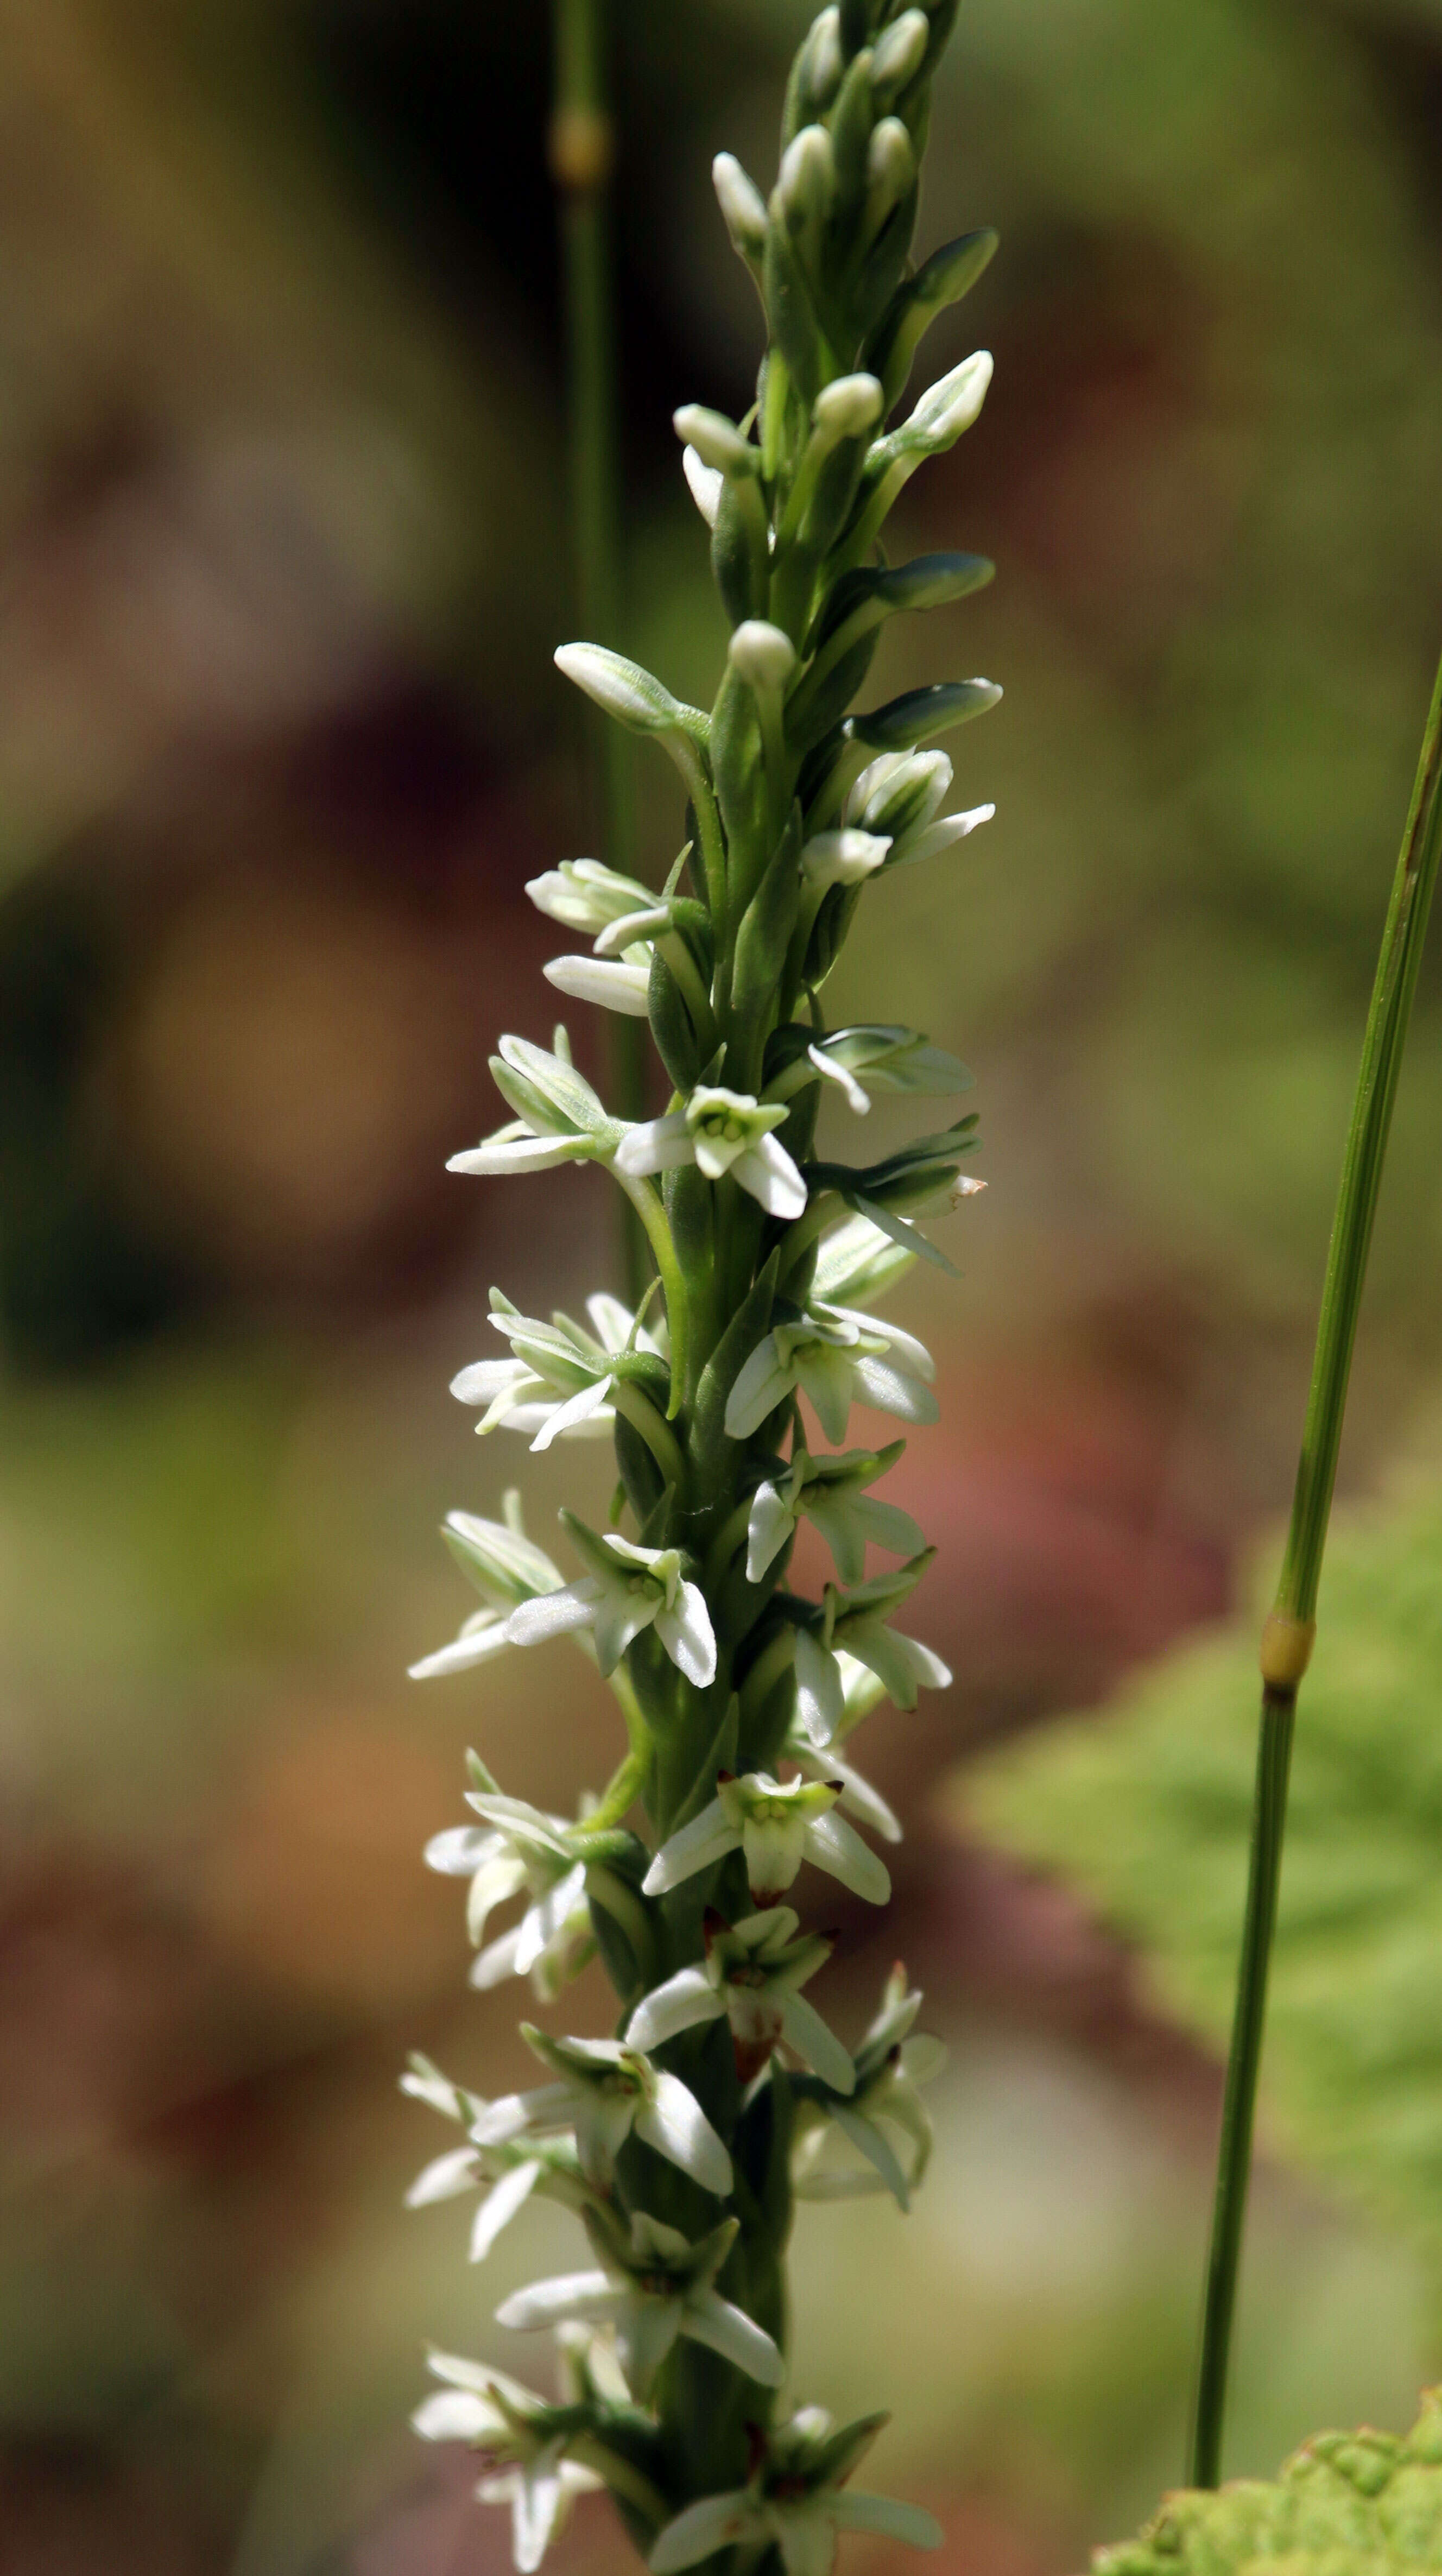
{"points": [[581, 152], [1290, 1629]]}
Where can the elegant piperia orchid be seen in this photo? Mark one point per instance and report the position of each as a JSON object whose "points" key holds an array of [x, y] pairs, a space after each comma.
{"points": [[654, 2287], [721, 2091], [604, 2091], [795, 2501], [776, 1825]]}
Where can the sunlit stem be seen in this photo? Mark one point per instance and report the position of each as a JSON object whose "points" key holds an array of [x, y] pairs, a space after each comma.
{"points": [[1288, 1635]]}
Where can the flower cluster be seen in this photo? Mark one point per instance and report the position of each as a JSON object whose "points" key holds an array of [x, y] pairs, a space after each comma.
{"points": [[681, 2140]]}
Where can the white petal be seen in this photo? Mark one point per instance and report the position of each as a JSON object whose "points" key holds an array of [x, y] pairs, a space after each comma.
{"points": [[499, 1960], [762, 1382], [608, 982], [442, 2180], [677, 2127], [547, 2106], [455, 2415], [714, 2321], [929, 844], [576, 1411], [836, 1846], [706, 482], [553, 1614], [870, 2141], [877, 1381], [703, 2529], [707, 1838], [686, 1633], [845, 1081], [536, 2509], [820, 1697], [656, 1145], [568, 2294], [858, 1797], [767, 1171], [813, 2039], [770, 1526], [500, 2206], [685, 1999], [480, 1638], [462, 1849], [519, 1154]]}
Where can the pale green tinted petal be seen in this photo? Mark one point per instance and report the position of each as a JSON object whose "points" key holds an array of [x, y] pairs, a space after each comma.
{"points": [[686, 1633], [870, 2142], [878, 1381], [712, 2320], [767, 1531], [774, 1847], [621, 1614], [819, 1696], [492, 1885], [859, 1798], [547, 2106], [887, 1525], [648, 2328], [835, 1846], [707, 1838], [674, 2123], [807, 2537], [702, 2529], [568, 2294], [826, 1378], [839, 1515], [851, 2511], [685, 1999], [809, 2035], [500, 2206], [762, 1382]]}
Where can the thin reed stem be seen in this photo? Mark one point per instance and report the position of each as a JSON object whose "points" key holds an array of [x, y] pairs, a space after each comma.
{"points": [[1290, 1630], [582, 153]]}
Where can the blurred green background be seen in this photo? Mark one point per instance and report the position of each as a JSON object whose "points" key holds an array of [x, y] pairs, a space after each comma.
{"points": [[282, 490]]}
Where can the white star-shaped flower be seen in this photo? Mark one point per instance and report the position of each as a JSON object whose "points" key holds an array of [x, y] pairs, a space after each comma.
{"points": [[605, 2090], [720, 1132], [628, 1588], [777, 1824], [654, 2287], [751, 1977]]}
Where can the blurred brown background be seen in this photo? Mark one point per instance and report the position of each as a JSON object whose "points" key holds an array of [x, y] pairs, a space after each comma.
{"points": [[282, 496]]}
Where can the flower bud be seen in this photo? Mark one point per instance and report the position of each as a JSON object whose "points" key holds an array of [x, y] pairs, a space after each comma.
{"points": [[900, 51], [742, 206], [622, 688], [952, 403], [823, 60], [763, 656], [842, 858], [717, 441], [806, 182], [847, 408], [890, 170], [705, 484]]}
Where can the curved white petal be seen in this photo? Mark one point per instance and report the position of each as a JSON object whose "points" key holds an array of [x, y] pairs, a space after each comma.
{"points": [[684, 2000], [707, 1838], [878, 1381], [813, 2039], [656, 1145], [463, 1849], [712, 2320], [686, 1633], [674, 2123], [456, 2415], [767, 1171], [520, 1154], [552, 1614], [770, 1526], [447, 2175], [567, 2294], [836, 1846], [608, 982], [575, 1414], [870, 2141], [820, 1695], [705, 483], [762, 1382], [500, 2206], [480, 1638]]}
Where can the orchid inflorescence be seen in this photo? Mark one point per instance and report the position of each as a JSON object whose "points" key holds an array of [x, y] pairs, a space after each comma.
{"points": [[682, 2141]]}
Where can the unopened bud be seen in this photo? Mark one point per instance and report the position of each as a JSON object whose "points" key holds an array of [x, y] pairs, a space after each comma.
{"points": [[717, 441], [742, 205], [806, 182], [890, 168], [952, 403], [823, 59], [900, 50], [706, 485], [762, 655], [844, 857], [848, 407]]}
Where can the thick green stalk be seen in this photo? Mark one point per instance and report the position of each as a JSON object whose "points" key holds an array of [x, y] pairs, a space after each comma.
{"points": [[1290, 1630], [582, 151]]}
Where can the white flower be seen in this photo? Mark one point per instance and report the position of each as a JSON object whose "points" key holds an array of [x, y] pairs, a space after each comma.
{"points": [[519, 1850], [655, 2286], [945, 409], [634, 696], [511, 2172], [835, 1357], [532, 2474], [857, 1262], [832, 1493], [752, 1975], [796, 2502], [560, 1381], [628, 1588], [585, 895], [854, 1621], [890, 2066], [717, 441], [559, 1118], [720, 1131], [900, 794], [777, 1825], [605, 2090], [506, 1568], [891, 1059]]}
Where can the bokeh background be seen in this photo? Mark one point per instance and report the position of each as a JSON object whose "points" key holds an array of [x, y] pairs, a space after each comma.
{"points": [[283, 507]]}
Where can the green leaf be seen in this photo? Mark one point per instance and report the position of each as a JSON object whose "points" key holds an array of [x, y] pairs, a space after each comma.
{"points": [[1345, 2504], [1146, 1813]]}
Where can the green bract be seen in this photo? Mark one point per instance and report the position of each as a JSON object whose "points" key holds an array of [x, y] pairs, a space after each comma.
{"points": [[681, 2138]]}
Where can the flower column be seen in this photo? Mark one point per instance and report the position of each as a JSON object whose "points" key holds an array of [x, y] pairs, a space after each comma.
{"points": [[681, 2140]]}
